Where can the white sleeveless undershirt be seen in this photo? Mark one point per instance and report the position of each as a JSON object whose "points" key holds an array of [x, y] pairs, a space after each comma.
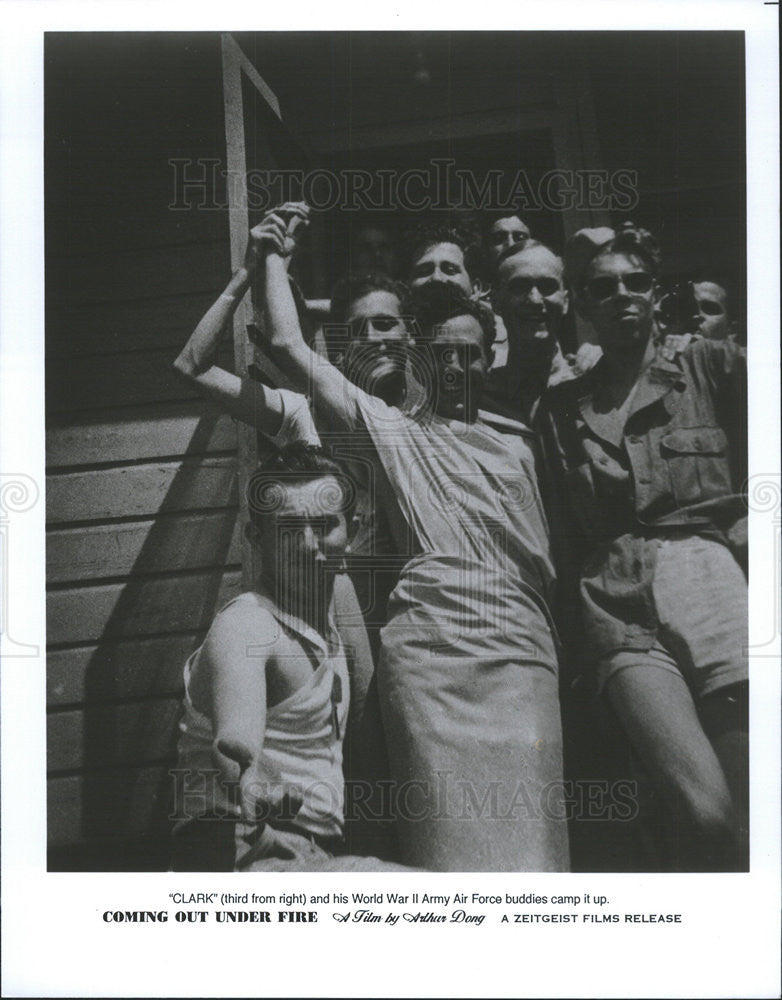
{"points": [[303, 738]]}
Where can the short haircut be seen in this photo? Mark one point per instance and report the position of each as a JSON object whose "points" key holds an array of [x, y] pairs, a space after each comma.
{"points": [[356, 286], [530, 244], [293, 465], [492, 215], [420, 238], [629, 239], [435, 303], [348, 290], [705, 275]]}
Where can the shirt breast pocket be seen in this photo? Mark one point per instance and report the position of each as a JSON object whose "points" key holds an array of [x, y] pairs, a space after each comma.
{"points": [[697, 463]]}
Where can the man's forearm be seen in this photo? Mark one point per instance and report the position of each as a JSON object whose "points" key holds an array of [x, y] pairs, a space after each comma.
{"points": [[282, 329], [200, 351], [334, 398]]}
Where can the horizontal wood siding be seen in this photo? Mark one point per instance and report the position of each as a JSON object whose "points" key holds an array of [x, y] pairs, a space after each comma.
{"points": [[143, 540], [137, 490], [73, 675]]}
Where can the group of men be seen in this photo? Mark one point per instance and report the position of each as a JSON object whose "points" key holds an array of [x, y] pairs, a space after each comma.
{"points": [[479, 519]]}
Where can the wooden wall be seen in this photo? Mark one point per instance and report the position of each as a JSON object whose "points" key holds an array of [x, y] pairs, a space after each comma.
{"points": [[142, 542]]}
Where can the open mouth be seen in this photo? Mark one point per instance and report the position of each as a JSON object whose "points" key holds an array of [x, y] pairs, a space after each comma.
{"points": [[534, 323], [382, 365]]}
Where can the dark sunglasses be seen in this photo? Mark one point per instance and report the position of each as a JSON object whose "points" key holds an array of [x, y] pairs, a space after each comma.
{"points": [[636, 282], [546, 286]]}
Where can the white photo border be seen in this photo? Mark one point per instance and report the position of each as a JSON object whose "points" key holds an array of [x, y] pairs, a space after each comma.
{"points": [[55, 942]]}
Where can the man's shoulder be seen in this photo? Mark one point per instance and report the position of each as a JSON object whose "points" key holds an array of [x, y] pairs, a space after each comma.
{"points": [[560, 411], [376, 410], [567, 392], [701, 360], [504, 424], [701, 349], [250, 616]]}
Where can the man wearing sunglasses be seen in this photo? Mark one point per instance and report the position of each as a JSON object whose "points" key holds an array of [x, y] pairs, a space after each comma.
{"points": [[648, 457]]}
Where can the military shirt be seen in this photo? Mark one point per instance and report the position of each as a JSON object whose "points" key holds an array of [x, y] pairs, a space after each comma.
{"points": [[675, 464]]}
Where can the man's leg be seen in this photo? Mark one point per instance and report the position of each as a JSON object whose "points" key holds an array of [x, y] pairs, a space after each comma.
{"points": [[701, 597], [724, 716], [658, 713]]}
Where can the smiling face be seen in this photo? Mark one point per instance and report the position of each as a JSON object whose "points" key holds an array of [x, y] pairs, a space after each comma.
{"points": [[505, 234], [375, 358], [618, 299], [443, 263], [300, 538], [460, 365], [532, 297]]}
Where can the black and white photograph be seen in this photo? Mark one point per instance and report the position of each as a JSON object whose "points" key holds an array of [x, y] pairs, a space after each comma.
{"points": [[397, 443], [401, 468]]}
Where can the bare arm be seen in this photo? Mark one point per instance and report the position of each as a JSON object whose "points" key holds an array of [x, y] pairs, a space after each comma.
{"points": [[333, 396], [245, 399], [236, 654]]}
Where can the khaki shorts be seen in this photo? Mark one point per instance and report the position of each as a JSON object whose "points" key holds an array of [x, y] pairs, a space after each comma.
{"points": [[700, 594]]}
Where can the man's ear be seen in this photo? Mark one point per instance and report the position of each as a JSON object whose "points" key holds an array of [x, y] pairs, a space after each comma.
{"points": [[565, 302], [478, 289]]}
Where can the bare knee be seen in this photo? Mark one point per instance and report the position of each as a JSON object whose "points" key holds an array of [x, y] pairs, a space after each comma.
{"points": [[709, 811]]}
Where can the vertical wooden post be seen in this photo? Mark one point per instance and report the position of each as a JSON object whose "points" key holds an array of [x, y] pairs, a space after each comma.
{"points": [[236, 69], [576, 140], [238, 219], [237, 66]]}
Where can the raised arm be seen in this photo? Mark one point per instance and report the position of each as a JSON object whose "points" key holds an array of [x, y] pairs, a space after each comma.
{"points": [[245, 399], [333, 396]]}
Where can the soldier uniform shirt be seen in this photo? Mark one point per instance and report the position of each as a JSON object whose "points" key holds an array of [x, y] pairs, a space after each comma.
{"points": [[672, 467]]}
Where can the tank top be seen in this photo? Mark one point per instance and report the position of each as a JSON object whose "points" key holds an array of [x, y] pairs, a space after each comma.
{"points": [[303, 738]]}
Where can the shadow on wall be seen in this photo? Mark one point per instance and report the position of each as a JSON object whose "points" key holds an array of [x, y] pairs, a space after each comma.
{"points": [[109, 758]]}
